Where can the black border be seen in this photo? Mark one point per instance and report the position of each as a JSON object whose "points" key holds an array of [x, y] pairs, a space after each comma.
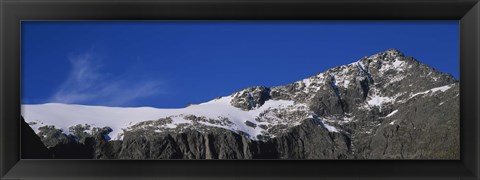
{"points": [[13, 11]]}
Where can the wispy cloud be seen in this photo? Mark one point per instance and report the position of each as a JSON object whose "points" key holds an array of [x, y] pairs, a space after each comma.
{"points": [[87, 84]]}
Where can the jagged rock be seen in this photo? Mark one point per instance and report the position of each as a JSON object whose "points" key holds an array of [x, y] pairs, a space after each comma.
{"points": [[52, 136], [306, 141], [251, 98], [420, 132], [251, 124], [310, 141]]}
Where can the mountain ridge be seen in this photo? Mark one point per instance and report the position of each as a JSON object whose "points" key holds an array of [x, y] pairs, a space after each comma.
{"points": [[357, 101]]}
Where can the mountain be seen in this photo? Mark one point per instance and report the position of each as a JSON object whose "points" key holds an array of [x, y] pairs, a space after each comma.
{"points": [[384, 106]]}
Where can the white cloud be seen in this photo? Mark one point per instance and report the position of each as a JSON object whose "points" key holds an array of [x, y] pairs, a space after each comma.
{"points": [[87, 84]]}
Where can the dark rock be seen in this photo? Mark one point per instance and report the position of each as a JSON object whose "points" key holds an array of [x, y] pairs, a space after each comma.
{"points": [[31, 145], [72, 150], [251, 98], [251, 124], [308, 140]]}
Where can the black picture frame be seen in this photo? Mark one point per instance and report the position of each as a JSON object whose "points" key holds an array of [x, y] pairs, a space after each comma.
{"points": [[12, 12]]}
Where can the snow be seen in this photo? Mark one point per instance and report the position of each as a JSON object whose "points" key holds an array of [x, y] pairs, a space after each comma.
{"points": [[342, 76], [433, 90], [360, 65], [176, 121], [307, 82], [392, 113], [334, 85], [324, 123], [397, 78], [443, 88], [397, 64], [311, 83], [330, 128], [346, 83], [376, 100], [64, 116]]}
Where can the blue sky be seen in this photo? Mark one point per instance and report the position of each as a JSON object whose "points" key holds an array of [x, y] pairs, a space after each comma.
{"points": [[169, 64]]}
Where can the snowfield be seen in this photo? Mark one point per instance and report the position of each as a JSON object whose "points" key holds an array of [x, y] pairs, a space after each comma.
{"points": [[63, 116]]}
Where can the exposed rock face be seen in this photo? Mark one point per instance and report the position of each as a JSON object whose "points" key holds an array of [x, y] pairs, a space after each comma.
{"points": [[251, 98], [385, 106], [306, 141], [57, 145], [416, 131]]}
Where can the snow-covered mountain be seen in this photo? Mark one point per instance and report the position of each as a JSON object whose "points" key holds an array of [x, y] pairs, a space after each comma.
{"points": [[216, 113], [363, 102]]}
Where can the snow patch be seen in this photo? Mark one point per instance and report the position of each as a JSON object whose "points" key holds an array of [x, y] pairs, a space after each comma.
{"points": [[324, 124], [361, 67], [443, 88], [392, 113], [376, 100], [330, 128], [63, 116], [433, 90], [307, 82], [397, 64], [346, 83]]}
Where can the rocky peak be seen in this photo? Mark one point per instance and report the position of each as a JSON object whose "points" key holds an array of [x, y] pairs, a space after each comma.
{"points": [[389, 60], [388, 55], [385, 75], [250, 98], [370, 68]]}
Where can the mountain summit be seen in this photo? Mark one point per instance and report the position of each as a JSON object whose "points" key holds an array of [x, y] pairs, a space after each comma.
{"points": [[384, 106]]}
